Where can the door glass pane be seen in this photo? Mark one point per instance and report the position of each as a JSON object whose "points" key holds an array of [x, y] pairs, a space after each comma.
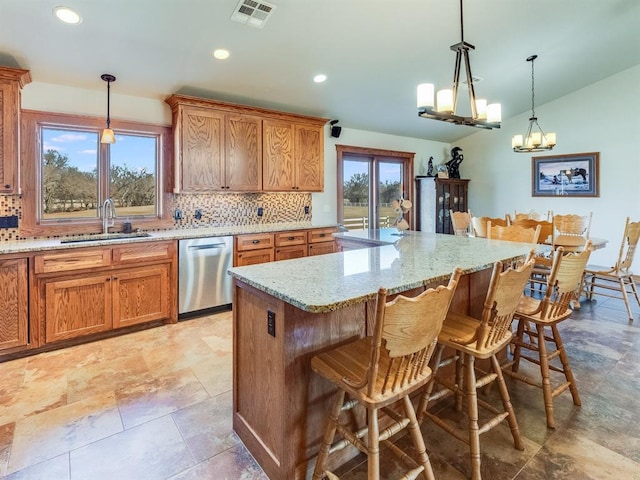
{"points": [[355, 192], [69, 183], [132, 177], [389, 189]]}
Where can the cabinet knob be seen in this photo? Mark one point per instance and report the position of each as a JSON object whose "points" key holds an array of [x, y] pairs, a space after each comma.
{"points": [[7, 186], [108, 279]]}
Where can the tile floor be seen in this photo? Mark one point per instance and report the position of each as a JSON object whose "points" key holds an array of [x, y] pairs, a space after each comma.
{"points": [[157, 405]]}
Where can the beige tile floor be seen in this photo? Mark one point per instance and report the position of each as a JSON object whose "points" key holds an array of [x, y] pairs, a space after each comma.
{"points": [[156, 404]]}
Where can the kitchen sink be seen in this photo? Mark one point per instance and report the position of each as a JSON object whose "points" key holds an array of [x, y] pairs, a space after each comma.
{"points": [[100, 237]]}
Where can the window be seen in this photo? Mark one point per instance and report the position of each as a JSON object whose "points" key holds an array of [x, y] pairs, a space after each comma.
{"points": [[68, 174], [368, 181]]}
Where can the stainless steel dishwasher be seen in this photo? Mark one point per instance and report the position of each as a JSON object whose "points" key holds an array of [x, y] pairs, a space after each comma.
{"points": [[203, 281]]}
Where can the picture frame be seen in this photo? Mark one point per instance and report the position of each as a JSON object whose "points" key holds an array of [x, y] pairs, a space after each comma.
{"points": [[571, 175]]}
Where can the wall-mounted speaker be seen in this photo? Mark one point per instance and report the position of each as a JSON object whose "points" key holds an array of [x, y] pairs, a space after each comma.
{"points": [[335, 129]]}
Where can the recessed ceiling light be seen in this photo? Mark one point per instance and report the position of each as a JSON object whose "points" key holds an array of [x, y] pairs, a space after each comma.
{"points": [[221, 54], [67, 15], [320, 78]]}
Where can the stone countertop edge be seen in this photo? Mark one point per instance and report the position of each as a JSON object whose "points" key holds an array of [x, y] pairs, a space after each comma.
{"points": [[29, 246], [325, 283]]}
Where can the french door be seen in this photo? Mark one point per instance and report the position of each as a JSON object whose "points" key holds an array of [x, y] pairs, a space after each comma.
{"points": [[369, 180]]}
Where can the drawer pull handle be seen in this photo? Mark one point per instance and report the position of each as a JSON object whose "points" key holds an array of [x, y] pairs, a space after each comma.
{"points": [[291, 238], [255, 242], [322, 235]]}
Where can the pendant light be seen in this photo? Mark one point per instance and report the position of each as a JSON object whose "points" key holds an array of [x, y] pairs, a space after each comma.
{"points": [[107, 134], [534, 140], [444, 108]]}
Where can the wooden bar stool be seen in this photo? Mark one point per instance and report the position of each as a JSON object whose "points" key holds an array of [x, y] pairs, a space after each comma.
{"points": [[472, 339], [564, 279], [382, 370]]}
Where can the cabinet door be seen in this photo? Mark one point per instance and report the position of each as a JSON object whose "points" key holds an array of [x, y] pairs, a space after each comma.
{"points": [[252, 257], [77, 307], [278, 145], [13, 303], [140, 295], [202, 150], [9, 118], [287, 253], [243, 147], [309, 158], [321, 248]]}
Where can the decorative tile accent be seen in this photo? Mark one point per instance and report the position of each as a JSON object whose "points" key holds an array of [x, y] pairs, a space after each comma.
{"points": [[217, 210], [10, 205], [227, 209]]}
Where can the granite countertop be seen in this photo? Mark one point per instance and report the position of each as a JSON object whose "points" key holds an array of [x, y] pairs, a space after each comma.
{"points": [[325, 283], [26, 246]]}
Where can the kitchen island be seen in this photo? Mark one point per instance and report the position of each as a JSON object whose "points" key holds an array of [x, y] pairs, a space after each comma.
{"points": [[286, 312]]}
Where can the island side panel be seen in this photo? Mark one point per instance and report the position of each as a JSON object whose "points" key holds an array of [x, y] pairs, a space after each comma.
{"points": [[258, 376]]}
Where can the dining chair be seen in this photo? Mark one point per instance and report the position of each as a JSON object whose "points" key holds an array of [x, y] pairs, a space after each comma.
{"points": [[545, 313], [479, 224], [543, 259], [513, 233], [618, 278], [381, 370], [461, 222], [468, 339], [530, 215], [571, 231]]}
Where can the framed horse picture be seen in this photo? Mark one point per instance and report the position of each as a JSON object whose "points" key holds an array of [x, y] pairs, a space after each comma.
{"points": [[573, 175]]}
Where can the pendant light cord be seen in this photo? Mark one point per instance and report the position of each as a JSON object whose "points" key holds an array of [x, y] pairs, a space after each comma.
{"points": [[533, 111]]}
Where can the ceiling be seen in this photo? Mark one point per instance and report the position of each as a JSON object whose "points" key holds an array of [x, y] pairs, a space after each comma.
{"points": [[374, 52]]}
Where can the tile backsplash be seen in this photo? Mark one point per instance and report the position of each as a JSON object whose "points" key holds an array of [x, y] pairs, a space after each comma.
{"points": [[216, 209]]}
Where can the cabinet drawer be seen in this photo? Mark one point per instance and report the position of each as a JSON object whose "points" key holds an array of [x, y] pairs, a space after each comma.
{"points": [[144, 252], [72, 260], [321, 235], [285, 239], [254, 241]]}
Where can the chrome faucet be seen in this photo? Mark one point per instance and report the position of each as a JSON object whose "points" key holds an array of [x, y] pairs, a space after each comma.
{"points": [[108, 214]]}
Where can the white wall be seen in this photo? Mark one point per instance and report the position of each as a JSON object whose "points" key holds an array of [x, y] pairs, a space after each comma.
{"points": [[602, 117]]}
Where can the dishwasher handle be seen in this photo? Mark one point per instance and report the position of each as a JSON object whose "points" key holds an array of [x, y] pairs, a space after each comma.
{"points": [[206, 246]]}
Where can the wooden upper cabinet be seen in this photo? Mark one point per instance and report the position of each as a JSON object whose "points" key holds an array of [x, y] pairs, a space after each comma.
{"points": [[309, 158], [201, 157], [293, 157], [279, 171], [243, 166], [11, 82], [228, 147]]}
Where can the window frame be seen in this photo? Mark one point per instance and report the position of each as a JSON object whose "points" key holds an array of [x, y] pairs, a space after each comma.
{"points": [[374, 155], [31, 173]]}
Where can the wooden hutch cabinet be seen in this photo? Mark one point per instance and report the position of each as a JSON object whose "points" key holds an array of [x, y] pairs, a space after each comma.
{"points": [[436, 198], [11, 82]]}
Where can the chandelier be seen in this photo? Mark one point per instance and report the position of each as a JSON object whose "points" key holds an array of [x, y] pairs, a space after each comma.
{"points": [[535, 140], [444, 109]]}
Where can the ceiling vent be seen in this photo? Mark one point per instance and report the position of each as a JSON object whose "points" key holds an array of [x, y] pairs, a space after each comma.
{"points": [[252, 12]]}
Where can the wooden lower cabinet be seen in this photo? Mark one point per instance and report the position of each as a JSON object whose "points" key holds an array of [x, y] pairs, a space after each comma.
{"points": [[140, 295], [14, 321], [77, 306], [287, 253], [321, 248], [253, 257], [94, 290]]}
